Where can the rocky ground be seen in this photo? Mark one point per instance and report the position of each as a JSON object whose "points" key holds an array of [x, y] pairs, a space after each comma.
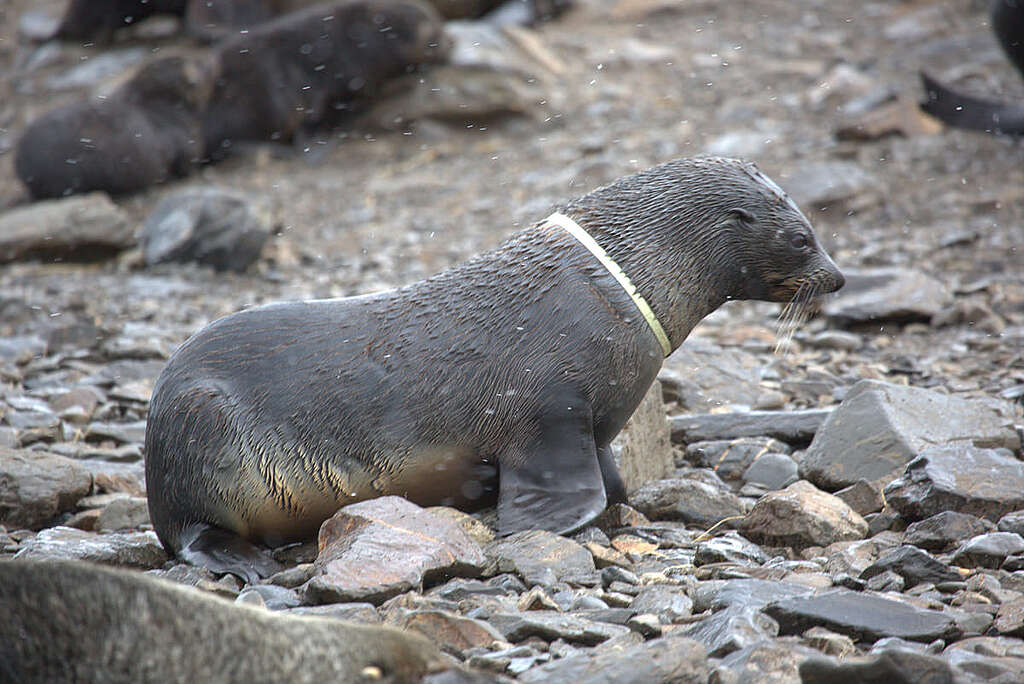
{"points": [[849, 507]]}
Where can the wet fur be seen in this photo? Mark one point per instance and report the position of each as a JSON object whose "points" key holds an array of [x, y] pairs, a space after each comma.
{"points": [[529, 358]]}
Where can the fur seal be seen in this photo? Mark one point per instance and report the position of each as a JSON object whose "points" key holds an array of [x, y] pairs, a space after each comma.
{"points": [[290, 73], [976, 113], [145, 132], [75, 622], [521, 363], [93, 20]]}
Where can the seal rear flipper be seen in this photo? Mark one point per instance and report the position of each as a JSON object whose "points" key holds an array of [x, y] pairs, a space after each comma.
{"points": [[223, 552], [969, 112], [556, 485], [614, 487]]}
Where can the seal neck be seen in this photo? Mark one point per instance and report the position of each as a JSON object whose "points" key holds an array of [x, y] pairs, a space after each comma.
{"points": [[574, 229]]}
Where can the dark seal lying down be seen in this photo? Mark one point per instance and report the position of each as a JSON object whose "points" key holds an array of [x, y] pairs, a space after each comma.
{"points": [[522, 363]]}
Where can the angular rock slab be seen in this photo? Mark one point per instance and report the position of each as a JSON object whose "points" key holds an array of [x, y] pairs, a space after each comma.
{"points": [[376, 549], [453, 633], [988, 550], [669, 659], [802, 515], [129, 549], [775, 660], [690, 501], [543, 558], [731, 629], [895, 666], [548, 625], [75, 228], [880, 427], [981, 482], [861, 616], [793, 427], [753, 593], [76, 622], [945, 529], [701, 376], [913, 565], [643, 450], [887, 294], [208, 225], [35, 487]]}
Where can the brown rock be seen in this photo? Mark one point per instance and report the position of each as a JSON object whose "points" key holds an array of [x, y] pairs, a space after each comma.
{"points": [[376, 549], [480, 532], [543, 558], [802, 515], [35, 487], [643, 450], [452, 633]]}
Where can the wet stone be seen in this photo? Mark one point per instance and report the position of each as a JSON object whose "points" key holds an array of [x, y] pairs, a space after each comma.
{"points": [[802, 515], [894, 666], [773, 660], [211, 226], [274, 597], [1012, 522], [36, 486], [829, 642], [731, 458], [793, 427], [543, 558], [1010, 618], [987, 483], [731, 629], [945, 530], [887, 294], [365, 613], [133, 549], [729, 548], [988, 550], [518, 626], [863, 497], [123, 513], [689, 501], [667, 659], [772, 471], [452, 633], [643, 450], [376, 549], [886, 581], [122, 433], [76, 228], [750, 593], [902, 422], [860, 616], [912, 564], [670, 606]]}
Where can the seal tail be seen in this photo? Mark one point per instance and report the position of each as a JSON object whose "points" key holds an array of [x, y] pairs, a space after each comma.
{"points": [[969, 112]]}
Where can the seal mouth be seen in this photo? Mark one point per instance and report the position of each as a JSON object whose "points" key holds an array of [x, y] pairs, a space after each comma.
{"points": [[801, 296]]}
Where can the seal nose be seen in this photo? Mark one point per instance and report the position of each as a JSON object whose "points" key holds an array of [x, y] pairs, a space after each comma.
{"points": [[839, 279]]}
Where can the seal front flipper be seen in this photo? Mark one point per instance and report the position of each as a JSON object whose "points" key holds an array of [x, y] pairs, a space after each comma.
{"points": [[225, 552], [556, 484]]}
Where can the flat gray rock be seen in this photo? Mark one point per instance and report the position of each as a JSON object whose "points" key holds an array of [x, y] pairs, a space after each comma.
{"points": [[945, 529], [211, 226], [730, 458], [793, 427], [36, 486], [670, 659], [730, 548], [81, 228], [690, 501], [548, 625], [912, 564], [701, 376], [543, 558], [817, 184], [894, 666], [988, 550], [887, 294], [775, 661], [752, 593], [861, 616], [983, 482], [731, 629], [376, 549], [124, 513], [802, 515], [130, 549], [772, 471], [880, 427]]}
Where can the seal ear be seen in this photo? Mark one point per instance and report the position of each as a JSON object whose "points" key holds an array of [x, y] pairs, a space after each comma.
{"points": [[742, 214]]}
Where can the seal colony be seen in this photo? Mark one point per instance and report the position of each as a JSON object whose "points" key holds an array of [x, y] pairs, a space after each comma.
{"points": [[507, 375]]}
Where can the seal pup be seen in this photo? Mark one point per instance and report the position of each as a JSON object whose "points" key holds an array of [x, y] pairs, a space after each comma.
{"points": [[976, 113], [68, 621], [291, 73], [145, 132], [522, 363]]}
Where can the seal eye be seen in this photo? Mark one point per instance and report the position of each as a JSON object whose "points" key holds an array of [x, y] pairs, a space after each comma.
{"points": [[799, 241]]}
